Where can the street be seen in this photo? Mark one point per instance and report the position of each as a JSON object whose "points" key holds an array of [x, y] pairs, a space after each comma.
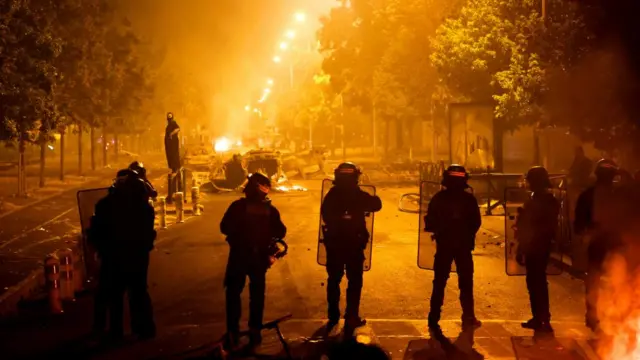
{"points": [[188, 264]]}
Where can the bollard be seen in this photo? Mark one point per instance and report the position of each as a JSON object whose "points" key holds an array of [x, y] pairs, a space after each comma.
{"points": [[52, 276], [67, 286], [170, 188], [179, 201], [195, 200], [163, 212]]}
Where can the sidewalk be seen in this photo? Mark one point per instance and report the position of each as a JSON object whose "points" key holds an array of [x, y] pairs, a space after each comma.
{"points": [[53, 185]]}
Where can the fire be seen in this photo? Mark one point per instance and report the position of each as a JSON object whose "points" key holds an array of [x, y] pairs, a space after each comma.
{"points": [[285, 188], [619, 309]]}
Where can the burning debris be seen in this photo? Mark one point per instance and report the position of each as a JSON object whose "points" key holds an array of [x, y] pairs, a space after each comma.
{"points": [[619, 308], [292, 188]]}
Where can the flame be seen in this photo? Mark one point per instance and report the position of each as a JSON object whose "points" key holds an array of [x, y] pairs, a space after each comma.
{"points": [[619, 308], [222, 145], [285, 188]]}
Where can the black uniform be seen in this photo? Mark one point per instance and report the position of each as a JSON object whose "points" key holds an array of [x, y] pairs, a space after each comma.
{"points": [[122, 231], [172, 144], [346, 236], [592, 218], [234, 173], [536, 228], [454, 218], [250, 224]]}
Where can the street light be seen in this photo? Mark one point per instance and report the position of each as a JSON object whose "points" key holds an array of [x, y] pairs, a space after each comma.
{"points": [[247, 108], [270, 82], [277, 59], [301, 17], [290, 34], [284, 46], [267, 91]]}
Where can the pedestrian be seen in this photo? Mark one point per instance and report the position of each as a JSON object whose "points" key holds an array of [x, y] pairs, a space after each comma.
{"points": [[595, 220], [453, 216], [250, 225], [344, 210], [535, 230], [122, 231]]}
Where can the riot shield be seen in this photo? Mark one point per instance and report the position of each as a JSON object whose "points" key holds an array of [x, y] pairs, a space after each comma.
{"points": [[426, 242], [514, 201], [322, 252], [87, 200]]}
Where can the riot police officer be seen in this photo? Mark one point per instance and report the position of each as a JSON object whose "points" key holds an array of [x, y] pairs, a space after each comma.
{"points": [[453, 216], [536, 229], [346, 236], [122, 232], [139, 168], [593, 219], [250, 224]]}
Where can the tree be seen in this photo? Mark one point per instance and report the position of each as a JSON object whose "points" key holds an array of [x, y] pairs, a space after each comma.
{"points": [[28, 48], [504, 51]]}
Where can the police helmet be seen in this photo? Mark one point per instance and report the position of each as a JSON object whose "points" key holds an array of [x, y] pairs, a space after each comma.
{"points": [[455, 176], [346, 173], [606, 169], [259, 183], [139, 168], [538, 178], [128, 184]]}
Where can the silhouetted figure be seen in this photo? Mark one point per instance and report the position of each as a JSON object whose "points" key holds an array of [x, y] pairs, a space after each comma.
{"points": [[536, 228], [595, 219], [122, 232], [250, 224], [345, 237], [453, 216]]}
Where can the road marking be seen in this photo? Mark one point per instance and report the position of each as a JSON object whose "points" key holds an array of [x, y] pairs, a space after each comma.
{"points": [[23, 234]]}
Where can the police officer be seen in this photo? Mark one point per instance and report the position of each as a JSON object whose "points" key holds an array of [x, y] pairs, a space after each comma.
{"points": [[122, 232], [250, 224], [536, 229], [593, 219], [139, 168], [453, 216], [345, 237], [234, 172]]}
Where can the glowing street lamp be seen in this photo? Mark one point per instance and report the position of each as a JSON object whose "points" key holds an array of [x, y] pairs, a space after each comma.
{"points": [[290, 34], [277, 59], [284, 46], [301, 17], [270, 82], [267, 91], [247, 108]]}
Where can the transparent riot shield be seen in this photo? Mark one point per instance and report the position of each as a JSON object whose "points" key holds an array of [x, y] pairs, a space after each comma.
{"points": [[514, 266], [426, 241], [322, 252], [87, 200]]}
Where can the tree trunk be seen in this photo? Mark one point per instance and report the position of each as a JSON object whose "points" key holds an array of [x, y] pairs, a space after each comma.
{"points": [[116, 146], [93, 148], [62, 155], [43, 154], [80, 149], [104, 147], [22, 171]]}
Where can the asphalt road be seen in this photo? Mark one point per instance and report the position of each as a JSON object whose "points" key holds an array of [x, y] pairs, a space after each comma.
{"points": [[186, 282], [29, 234]]}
